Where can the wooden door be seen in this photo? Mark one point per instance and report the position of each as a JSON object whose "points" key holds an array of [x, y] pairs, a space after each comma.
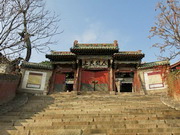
{"points": [[94, 80]]}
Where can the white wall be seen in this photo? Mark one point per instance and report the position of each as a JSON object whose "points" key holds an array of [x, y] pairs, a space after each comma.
{"points": [[154, 80], [25, 80]]}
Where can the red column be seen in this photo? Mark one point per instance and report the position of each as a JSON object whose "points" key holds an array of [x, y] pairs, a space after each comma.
{"points": [[114, 85], [51, 82], [111, 78], [136, 82], [76, 81], [79, 80]]}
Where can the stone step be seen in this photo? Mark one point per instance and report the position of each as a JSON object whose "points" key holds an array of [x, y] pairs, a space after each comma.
{"points": [[98, 117], [150, 130], [96, 131], [95, 117], [143, 134], [101, 107], [91, 115], [81, 125], [84, 120], [46, 132], [84, 112]]}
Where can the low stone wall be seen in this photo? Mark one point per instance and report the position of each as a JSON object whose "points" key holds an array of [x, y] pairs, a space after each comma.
{"points": [[174, 84], [8, 86]]}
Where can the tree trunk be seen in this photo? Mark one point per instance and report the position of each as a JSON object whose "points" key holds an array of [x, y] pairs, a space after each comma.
{"points": [[29, 48]]}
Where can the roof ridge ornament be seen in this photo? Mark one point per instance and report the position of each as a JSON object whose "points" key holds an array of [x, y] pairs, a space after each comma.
{"points": [[115, 43], [140, 51], [75, 42]]}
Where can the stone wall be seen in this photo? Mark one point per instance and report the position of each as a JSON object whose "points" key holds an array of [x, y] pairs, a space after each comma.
{"points": [[174, 84], [8, 86]]}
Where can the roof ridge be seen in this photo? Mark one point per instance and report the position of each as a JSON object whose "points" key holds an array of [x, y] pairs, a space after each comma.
{"points": [[95, 43], [25, 62], [138, 51], [152, 64], [175, 64], [36, 65], [157, 61], [114, 44], [61, 52]]}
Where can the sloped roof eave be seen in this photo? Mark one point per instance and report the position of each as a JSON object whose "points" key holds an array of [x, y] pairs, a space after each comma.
{"points": [[153, 64], [36, 66]]}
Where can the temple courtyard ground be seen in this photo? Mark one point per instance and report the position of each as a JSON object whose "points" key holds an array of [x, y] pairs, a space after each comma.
{"points": [[91, 114]]}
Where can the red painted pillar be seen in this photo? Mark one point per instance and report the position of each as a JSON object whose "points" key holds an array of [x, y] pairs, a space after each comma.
{"points": [[114, 80], [111, 78], [136, 82], [76, 81], [52, 82], [79, 79]]}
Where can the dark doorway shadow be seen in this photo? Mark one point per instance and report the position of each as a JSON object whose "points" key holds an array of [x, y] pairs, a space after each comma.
{"points": [[126, 87]]}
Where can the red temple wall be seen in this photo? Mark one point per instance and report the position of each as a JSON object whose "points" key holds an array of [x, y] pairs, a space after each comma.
{"points": [[59, 82], [101, 77], [59, 78]]}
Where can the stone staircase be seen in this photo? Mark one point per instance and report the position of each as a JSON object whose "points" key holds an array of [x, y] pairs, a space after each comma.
{"points": [[92, 114]]}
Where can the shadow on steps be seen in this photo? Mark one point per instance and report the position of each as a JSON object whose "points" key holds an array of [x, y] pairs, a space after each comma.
{"points": [[17, 117]]}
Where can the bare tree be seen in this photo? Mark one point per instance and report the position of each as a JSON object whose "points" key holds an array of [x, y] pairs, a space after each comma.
{"points": [[26, 25], [167, 28]]}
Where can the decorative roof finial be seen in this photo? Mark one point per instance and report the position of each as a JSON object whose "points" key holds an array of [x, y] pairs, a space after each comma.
{"points": [[75, 42], [115, 43], [52, 51], [140, 51]]}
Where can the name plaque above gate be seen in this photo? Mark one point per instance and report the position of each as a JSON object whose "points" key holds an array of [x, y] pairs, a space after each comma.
{"points": [[89, 64]]}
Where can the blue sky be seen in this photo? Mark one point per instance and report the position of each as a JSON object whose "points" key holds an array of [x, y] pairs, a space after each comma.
{"points": [[103, 21]]}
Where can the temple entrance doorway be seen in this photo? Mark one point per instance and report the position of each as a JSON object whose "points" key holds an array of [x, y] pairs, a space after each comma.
{"points": [[69, 87], [94, 80], [69, 81], [124, 81], [126, 87]]}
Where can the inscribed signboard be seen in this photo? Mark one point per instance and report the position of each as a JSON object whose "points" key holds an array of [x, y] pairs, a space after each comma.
{"points": [[94, 64]]}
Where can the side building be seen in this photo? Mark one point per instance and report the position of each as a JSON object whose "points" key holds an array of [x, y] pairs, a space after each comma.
{"points": [[153, 76], [35, 78]]}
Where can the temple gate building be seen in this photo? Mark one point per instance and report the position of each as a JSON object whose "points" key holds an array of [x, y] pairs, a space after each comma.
{"points": [[95, 67]]}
